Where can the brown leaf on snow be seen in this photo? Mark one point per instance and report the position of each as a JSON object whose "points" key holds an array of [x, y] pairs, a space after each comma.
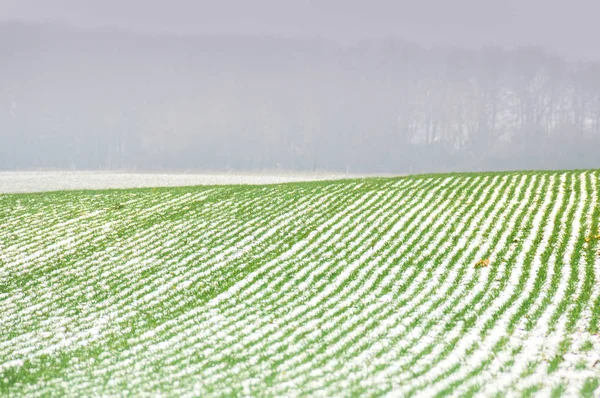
{"points": [[482, 263], [592, 237]]}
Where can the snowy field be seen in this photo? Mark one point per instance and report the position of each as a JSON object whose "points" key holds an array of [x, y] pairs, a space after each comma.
{"points": [[451, 285], [40, 181]]}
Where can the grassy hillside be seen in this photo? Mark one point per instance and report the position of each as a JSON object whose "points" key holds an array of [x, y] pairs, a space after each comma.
{"points": [[449, 284]]}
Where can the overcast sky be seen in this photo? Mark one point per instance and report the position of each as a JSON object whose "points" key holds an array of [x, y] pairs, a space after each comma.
{"points": [[567, 27]]}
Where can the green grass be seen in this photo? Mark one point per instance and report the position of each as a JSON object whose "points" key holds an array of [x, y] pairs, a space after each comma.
{"points": [[338, 288]]}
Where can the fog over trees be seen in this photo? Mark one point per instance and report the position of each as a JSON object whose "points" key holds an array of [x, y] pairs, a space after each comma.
{"points": [[73, 98]]}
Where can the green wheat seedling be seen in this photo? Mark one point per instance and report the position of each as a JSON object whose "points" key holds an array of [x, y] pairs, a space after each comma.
{"points": [[435, 285]]}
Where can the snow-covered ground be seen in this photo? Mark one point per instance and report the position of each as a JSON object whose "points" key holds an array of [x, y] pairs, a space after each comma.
{"points": [[39, 181], [366, 287]]}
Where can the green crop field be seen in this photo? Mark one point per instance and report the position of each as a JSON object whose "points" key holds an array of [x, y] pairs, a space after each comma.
{"points": [[475, 284]]}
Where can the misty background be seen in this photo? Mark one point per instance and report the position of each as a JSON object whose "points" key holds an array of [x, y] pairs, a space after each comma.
{"points": [[381, 86]]}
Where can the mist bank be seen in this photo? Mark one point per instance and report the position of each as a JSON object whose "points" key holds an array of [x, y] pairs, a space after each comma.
{"points": [[110, 100]]}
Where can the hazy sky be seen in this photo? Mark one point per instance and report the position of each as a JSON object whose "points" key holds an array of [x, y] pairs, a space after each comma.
{"points": [[568, 27]]}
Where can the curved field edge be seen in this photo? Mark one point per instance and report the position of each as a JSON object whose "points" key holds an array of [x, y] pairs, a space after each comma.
{"points": [[334, 288], [48, 181]]}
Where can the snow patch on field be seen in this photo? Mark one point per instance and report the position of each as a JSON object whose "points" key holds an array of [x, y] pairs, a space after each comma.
{"points": [[40, 181]]}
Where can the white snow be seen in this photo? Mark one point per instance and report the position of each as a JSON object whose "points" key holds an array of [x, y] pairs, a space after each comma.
{"points": [[39, 181]]}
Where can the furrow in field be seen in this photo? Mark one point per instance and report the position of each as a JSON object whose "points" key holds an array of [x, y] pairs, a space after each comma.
{"points": [[42, 285], [43, 294], [408, 333], [26, 258], [515, 364], [452, 366], [563, 362], [300, 327], [475, 342], [341, 332], [193, 320], [416, 315], [429, 318], [108, 303], [149, 336], [362, 288]]}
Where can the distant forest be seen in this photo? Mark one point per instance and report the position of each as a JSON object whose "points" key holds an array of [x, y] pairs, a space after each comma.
{"points": [[102, 99]]}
